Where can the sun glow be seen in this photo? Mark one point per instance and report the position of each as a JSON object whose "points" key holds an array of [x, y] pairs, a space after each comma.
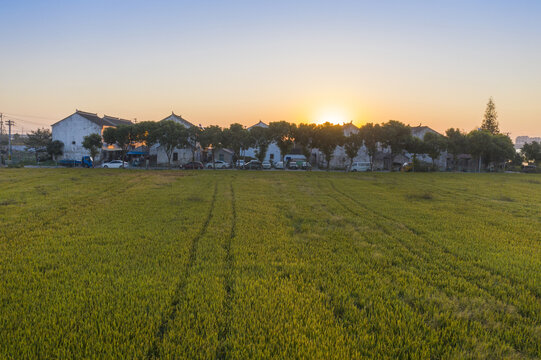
{"points": [[334, 116]]}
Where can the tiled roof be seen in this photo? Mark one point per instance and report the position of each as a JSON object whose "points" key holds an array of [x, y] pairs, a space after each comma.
{"points": [[105, 121], [179, 119], [260, 124]]}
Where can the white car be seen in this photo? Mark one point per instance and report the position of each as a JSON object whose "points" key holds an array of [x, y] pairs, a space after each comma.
{"points": [[279, 165], [219, 165], [115, 164], [360, 166], [266, 164]]}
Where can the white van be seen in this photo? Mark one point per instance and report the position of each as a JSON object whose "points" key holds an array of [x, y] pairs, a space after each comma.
{"points": [[360, 166]]}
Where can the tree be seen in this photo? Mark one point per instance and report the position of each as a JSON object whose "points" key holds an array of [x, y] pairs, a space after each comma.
{"points": [[396, 136], [261, 139], [371, 135], [235, 138], [142, 133], [211, 137], [93, 144], [490, 120], [123, 136], [55, 148], [434, 145], [326, 138], [304, 136], [415, 146], [170, 135], [38, 140], [194, 134], [480, 142], [532, 151], [457, 143], [352, 145], [283, 133], [502, 149]]}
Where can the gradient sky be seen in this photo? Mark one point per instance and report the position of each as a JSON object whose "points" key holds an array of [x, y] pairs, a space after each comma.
{"points": [[218, 62]]}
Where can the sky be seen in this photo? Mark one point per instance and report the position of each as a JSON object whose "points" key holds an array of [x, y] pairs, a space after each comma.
{"points": [[434, 63]]}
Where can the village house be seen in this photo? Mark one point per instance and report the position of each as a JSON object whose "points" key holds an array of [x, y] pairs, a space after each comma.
{"points": [[180, 156], [72, 130], [273, 151]]}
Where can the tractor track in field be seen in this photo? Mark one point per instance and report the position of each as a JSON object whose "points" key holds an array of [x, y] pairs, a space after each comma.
{"points": [[153, 352], [442, 248], [225, 326], [451, 269]]}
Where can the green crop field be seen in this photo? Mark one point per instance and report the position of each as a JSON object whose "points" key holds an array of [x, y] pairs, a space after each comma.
{"points": [[230, 264]]}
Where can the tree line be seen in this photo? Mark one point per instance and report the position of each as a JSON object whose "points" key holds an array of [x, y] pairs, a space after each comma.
{"points": [[486, 144]]}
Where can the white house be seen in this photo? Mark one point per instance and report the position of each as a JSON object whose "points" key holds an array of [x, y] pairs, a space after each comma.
{"points": [[273, 151], [72, 130], [180, 156]]}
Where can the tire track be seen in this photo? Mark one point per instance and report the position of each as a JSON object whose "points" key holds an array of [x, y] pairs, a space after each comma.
{"points": [[153, 352], [224, 329]]}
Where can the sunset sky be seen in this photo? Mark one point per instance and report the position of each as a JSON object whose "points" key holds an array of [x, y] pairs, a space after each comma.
{"points": [[218, 62]]}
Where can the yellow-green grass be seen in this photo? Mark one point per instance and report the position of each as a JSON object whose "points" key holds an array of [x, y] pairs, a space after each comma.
{"points": [[230, 264]]}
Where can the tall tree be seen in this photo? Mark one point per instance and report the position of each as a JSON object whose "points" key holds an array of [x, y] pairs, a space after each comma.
{"points": [[327, 138], [532, 152], [211, 137], [142, 133], [194, 133], [38, 140], [396, 136], [304, 136], [283, 133], [371, 135], [490, 120], [479, 144], [170, 135], [55, 148], [122, 135], [261, 139], [93, 144], [235, 138], [415, 146], [457, 143], [502, 150], [352, 145], [435, 144]]}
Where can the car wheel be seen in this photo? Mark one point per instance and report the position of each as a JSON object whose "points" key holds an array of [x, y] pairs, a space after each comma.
{"points": [[105, 166]]}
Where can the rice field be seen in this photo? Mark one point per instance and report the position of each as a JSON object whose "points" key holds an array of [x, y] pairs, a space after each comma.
{"points": [[120, 264]]}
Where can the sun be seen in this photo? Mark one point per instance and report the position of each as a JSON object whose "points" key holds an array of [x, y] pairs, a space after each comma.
{"points": [[334, 116]]}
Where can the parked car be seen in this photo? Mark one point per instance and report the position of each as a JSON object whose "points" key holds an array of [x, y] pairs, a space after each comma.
{"points": [[306, 165], [193, 165], [279, 165], [239, 164], [292, 165], [360, 166], [219, 164], [266, 164], [252, 165], [115, 164]]}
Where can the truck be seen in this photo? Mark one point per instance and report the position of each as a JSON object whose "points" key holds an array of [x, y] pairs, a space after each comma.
{"points": [[86, 161]]}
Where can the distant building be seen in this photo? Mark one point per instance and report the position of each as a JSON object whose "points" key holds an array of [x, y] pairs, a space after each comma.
{"points": [[273, 152], [179, 156], [72, 130]]}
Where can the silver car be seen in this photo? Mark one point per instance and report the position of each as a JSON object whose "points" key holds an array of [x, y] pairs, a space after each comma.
{"points": [[115, 164]]}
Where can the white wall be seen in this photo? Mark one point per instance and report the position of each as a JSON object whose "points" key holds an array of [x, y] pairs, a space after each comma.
{"points": [[273, 149], [71, 131]]}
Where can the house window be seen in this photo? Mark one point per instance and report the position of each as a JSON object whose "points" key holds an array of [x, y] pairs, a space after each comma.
{"points": [[271, 157], [175, 156], [73, 142]]}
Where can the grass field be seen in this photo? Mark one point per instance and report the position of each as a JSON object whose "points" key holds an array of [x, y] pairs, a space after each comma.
{"points": [[230, 264]]}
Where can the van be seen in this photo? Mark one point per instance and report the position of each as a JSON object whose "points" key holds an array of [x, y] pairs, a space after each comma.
{"points": [[360, 166]]}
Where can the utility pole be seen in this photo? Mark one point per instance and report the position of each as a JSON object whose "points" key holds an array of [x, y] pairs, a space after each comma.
{"points": [[10, 124], [1, 124]]}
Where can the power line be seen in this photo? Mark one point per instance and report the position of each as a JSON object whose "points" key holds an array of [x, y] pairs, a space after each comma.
{"points": [[10, 123]]}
